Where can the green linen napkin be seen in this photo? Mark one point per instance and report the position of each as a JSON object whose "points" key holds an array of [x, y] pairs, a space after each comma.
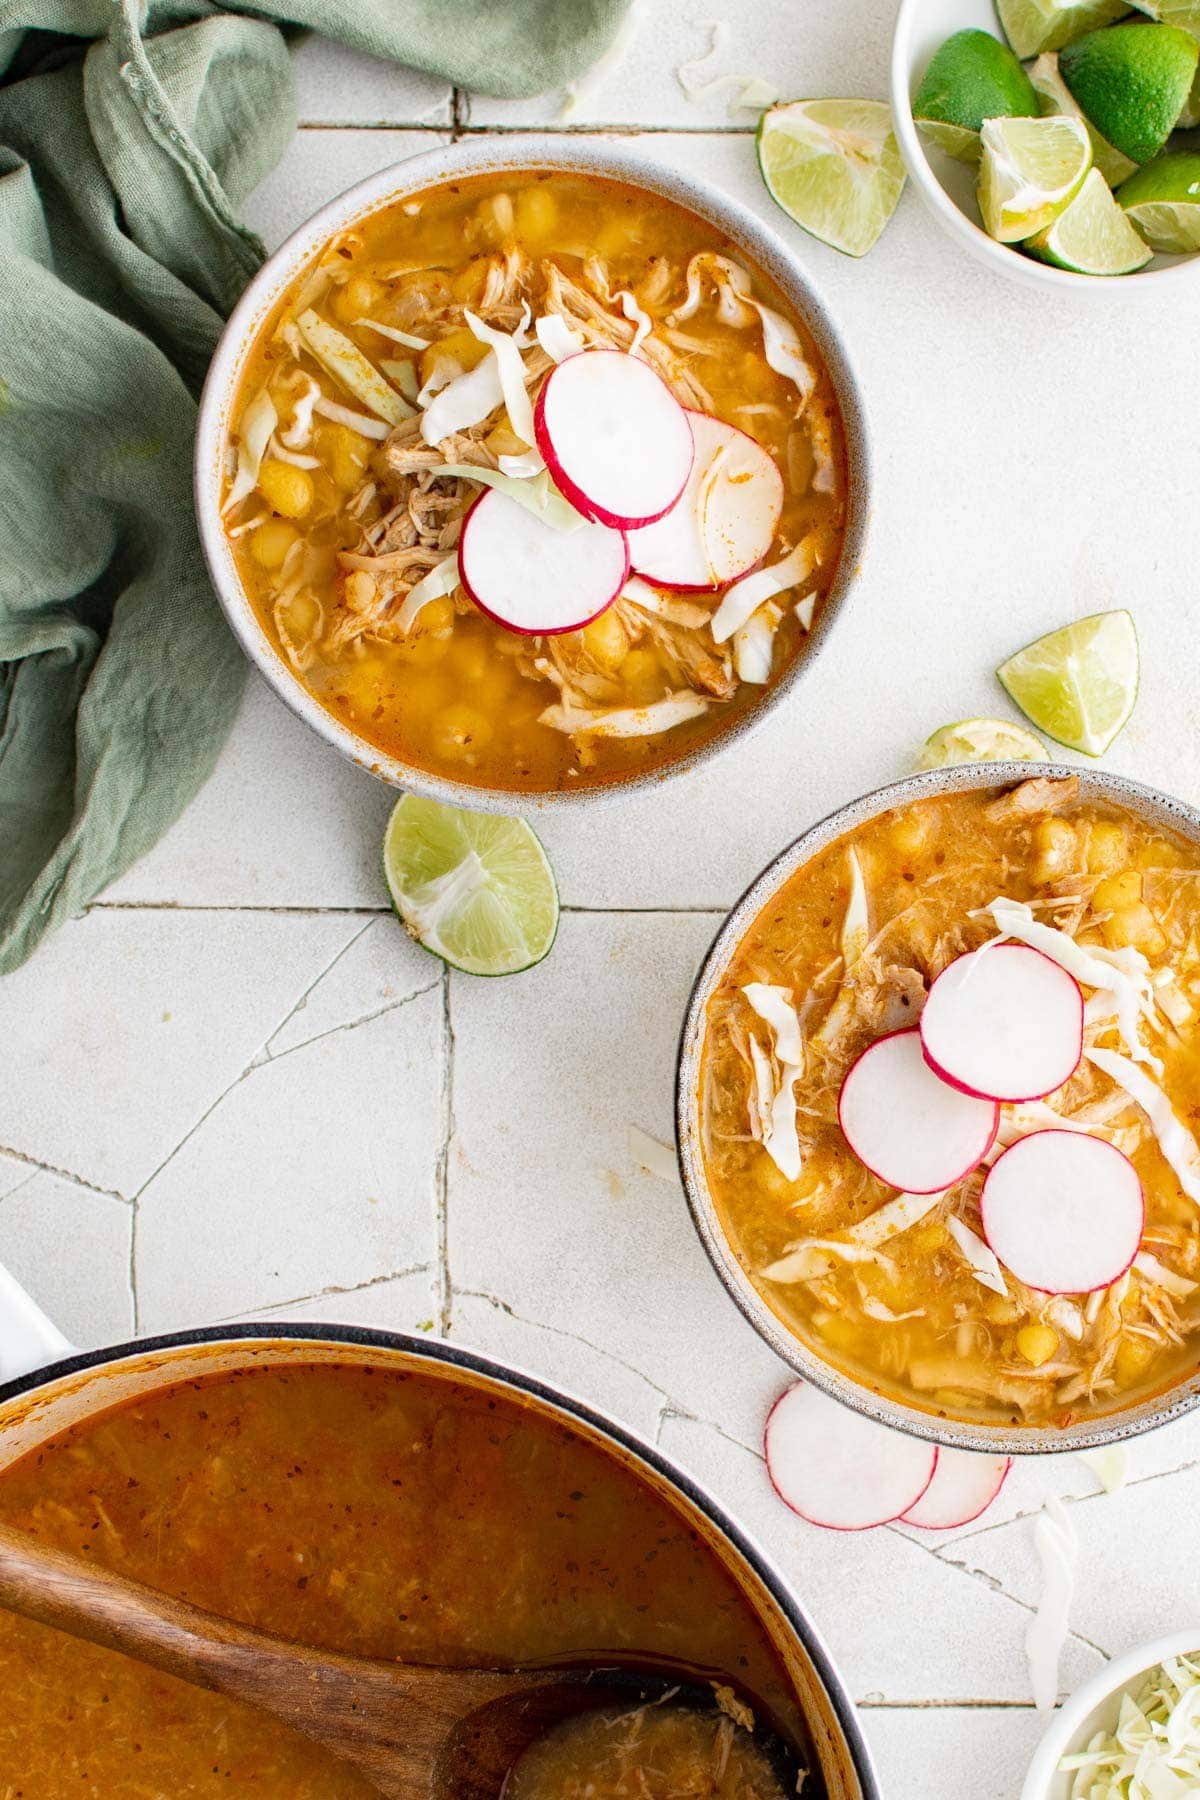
{"points": [[128, 138]]}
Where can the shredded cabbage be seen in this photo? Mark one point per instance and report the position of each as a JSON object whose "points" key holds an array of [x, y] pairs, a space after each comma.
{"points": [[464, 400], [408, 338], [814, 1257], [747, 595], [641, 320], [657, 1159], [442, 579], [506, 347], [556, 337], [254, 434], [820, 433], [776, 1008], [1057, 1547], [403, 374], [300, 429], [344, 415], [860, 1243], [804, 610], [523, 467], [736, 306], [1154, 1751], [754, 645], [745, 90], [627, 721], [1168, 1279], [1174, 1139], [299, 459], [984, 1266], [856, 926], [537, 495], [1109, 1463], [665, 606], [342, 359]]}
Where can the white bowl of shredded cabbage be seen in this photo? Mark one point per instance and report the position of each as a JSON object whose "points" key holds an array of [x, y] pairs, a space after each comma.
{"points": [[1131, 1733]]}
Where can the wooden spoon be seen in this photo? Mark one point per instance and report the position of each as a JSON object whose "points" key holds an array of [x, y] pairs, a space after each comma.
{"points": [[417, 1732]]}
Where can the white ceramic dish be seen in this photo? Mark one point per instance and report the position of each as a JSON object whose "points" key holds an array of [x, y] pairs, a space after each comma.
{"points": [[948, 187], [1095, 1708], [617, 162]]}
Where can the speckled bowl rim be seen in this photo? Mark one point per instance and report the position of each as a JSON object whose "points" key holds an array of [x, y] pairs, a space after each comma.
{"points": [[1147, 803], [39, 1388], [517, 152]]}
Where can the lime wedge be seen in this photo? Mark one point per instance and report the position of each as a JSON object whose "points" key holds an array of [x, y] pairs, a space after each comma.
{"points": [[1092, 236], [972, 77], [1056, 97], [472, 888], [1163, 201], [980, 740], [1032, 26], [1132, 81], [1029, 171], [834, 167], [1079, 684]]}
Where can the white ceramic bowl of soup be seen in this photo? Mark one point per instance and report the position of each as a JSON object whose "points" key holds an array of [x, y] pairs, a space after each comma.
{"points": [[891, 1409], [762, 247], [1096, 1707], [948, 187]]}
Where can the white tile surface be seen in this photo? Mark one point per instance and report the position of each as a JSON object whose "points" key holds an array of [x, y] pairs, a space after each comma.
{"points": [[246, 1104]]}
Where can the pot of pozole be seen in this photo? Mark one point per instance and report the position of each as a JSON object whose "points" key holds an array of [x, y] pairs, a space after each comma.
{"points": [[392, 1498], [531, 467], [939, 1099]]}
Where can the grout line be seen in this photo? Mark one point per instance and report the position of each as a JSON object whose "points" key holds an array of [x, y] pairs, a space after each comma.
{"points": [[133, 1292], [711, 909], [458, 126], [334, 1291], [445, 1295], [874, 1705]]}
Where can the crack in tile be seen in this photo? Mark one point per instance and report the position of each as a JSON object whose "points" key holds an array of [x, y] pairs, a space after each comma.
{"points": [[968, 1537], [265, 1057], [561, 1331], [37, 1167], [334, 1289], [315, 983], [674, 1411]]}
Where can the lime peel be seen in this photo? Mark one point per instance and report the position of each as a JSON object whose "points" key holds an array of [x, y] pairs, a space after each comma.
{"points": [[980, 740]]}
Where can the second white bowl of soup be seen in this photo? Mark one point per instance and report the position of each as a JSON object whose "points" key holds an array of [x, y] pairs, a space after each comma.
{"points": [[380, 377], [896, 1301]]}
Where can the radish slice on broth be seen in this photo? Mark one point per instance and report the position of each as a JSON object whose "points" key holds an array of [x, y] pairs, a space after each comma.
{"points": [[1004, 1021], [615, 439], [964, 1485], [911, 1128], [838, 1469], [1064, 1212], [530, 577], [724, 521]]}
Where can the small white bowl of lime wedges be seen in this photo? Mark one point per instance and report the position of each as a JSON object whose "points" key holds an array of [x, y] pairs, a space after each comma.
{"points": [[1057, 148], [1161, 1680]]}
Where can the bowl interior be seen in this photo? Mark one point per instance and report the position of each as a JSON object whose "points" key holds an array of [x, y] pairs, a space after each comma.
{"points": [[615, 162], [886, 1409], [948, 186]]}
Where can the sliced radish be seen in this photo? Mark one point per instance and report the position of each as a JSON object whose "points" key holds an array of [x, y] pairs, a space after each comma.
{"points": [[911, 1128], [530, 577], [1064, 1212], [838, 1469], [964, 1485], [724, 521], [1005, 1022], [615, 439]]}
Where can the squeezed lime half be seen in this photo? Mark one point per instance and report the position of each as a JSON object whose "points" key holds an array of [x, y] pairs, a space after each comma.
{"points": [[980, 740], [834, 167], [1078, 684], [474, 889]]}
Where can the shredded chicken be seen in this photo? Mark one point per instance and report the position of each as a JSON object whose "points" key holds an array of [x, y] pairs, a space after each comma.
{"points": [[1042, 794]]}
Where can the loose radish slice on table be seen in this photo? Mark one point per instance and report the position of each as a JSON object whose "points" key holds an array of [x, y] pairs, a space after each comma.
{"points": [[1063, 1211], [615, 439], [836, 1468], [723, 522], [1005, 1022], [911, 1128], [964, 1485], [531, 577]]}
